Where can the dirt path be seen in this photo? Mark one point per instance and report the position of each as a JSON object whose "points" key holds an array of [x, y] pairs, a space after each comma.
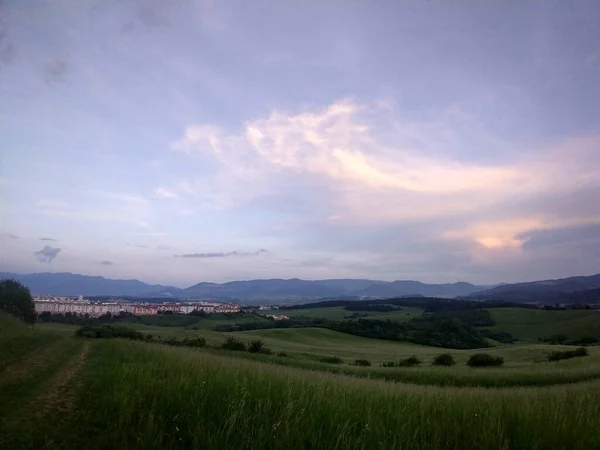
{"points": [[59, 396], [52, 403]]}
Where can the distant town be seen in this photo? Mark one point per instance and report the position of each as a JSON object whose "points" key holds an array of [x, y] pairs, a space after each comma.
{"points": [[81, 306]]}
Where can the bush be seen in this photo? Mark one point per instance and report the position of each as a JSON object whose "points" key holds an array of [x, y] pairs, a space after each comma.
{"points": [[567, 354], [362, 362], [331, 360], [108, 332], [233, 344], [256, 346], [445, 359], [409, 362], [484, 360]]}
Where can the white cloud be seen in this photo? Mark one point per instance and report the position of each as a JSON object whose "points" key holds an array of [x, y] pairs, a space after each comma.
{"points": [[165, 193], [375, 167]]}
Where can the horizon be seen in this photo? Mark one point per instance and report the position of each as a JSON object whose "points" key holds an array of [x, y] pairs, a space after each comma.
{"points": [[177, 141], [290, 279]]}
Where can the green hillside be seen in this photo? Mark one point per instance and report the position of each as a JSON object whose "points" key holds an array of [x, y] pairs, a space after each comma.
{"points": [[528, 325], [112, 393]]}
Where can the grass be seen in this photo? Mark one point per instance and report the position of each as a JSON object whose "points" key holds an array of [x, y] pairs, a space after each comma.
{"points": [[134, 395], [339, 313], [172, 398], [527, 325]]}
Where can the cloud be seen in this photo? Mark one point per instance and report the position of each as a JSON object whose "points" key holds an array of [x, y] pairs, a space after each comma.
{"points": [[544, 238], [364, 166], [162, 247], [221, 254], [106, 263], [48, 239], [368, 159], [47, 254], [165, 193], [9, 235]]}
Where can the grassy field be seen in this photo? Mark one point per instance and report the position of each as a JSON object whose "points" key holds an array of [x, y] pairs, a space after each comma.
{"points": [[525, 364], [104, 394], [339, 313], [117, 394], [528, 325]]}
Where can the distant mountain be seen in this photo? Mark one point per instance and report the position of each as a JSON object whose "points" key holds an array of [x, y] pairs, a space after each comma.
{"points": [[547, 291], [402, 288], [71, 284], [268, 290]]}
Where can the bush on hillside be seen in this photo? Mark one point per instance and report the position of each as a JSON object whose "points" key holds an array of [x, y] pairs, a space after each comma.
{"points": [[408, 362], [256, 346], [484, 360], [16, 299], [109, 332], [331, 360], [197, 342], [567, 354], [362, 362], [445, 359], [282, 354], [233, 344]]}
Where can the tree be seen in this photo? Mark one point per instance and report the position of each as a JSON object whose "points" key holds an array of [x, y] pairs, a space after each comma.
{"points": [[16, 300]]}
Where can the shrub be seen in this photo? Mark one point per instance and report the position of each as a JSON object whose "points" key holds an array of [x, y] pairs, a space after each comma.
{"points": [[567, 354], [445, 359], [331, 360], [233, 344], [362, 362], [282, 354], [409, 362], [256, 346], [108, 332], [484, 360]]}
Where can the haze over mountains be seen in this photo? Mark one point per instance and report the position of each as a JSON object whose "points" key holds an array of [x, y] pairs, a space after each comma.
{"points": [[296, 289]]}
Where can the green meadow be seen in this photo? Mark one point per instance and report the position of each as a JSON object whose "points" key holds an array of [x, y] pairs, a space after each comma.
{"points": [[114, 393]]}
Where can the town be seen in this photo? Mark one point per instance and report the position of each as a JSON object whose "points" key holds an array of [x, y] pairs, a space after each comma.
{"points": [[83, 307]]}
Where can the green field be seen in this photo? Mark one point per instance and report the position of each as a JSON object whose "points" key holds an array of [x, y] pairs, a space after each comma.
{"points": [[339, 313], [104, 394], [528, 325]]}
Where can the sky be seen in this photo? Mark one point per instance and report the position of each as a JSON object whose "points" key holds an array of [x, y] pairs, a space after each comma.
{"points": [[186, 141]]}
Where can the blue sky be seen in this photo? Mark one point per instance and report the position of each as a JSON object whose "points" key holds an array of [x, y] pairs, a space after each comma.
{"points": [[183, 141]]}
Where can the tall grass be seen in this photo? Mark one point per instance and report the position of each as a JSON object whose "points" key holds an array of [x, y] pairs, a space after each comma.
{"points": [[142, 396]]}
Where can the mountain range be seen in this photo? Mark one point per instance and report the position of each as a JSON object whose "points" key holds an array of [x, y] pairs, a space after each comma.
{"points": [[297, 290], [272, 289]]}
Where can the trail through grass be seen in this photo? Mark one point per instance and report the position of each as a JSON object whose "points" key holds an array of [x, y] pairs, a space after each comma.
{"points": [[172, 398]]}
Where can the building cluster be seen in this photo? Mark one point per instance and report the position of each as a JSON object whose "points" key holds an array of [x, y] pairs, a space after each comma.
{"points": [[62, 305], [278, 317]]}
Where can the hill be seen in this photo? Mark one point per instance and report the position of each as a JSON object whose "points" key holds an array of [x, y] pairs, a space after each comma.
{"points": [[582, 289], [259, 290], [71, 284]]}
